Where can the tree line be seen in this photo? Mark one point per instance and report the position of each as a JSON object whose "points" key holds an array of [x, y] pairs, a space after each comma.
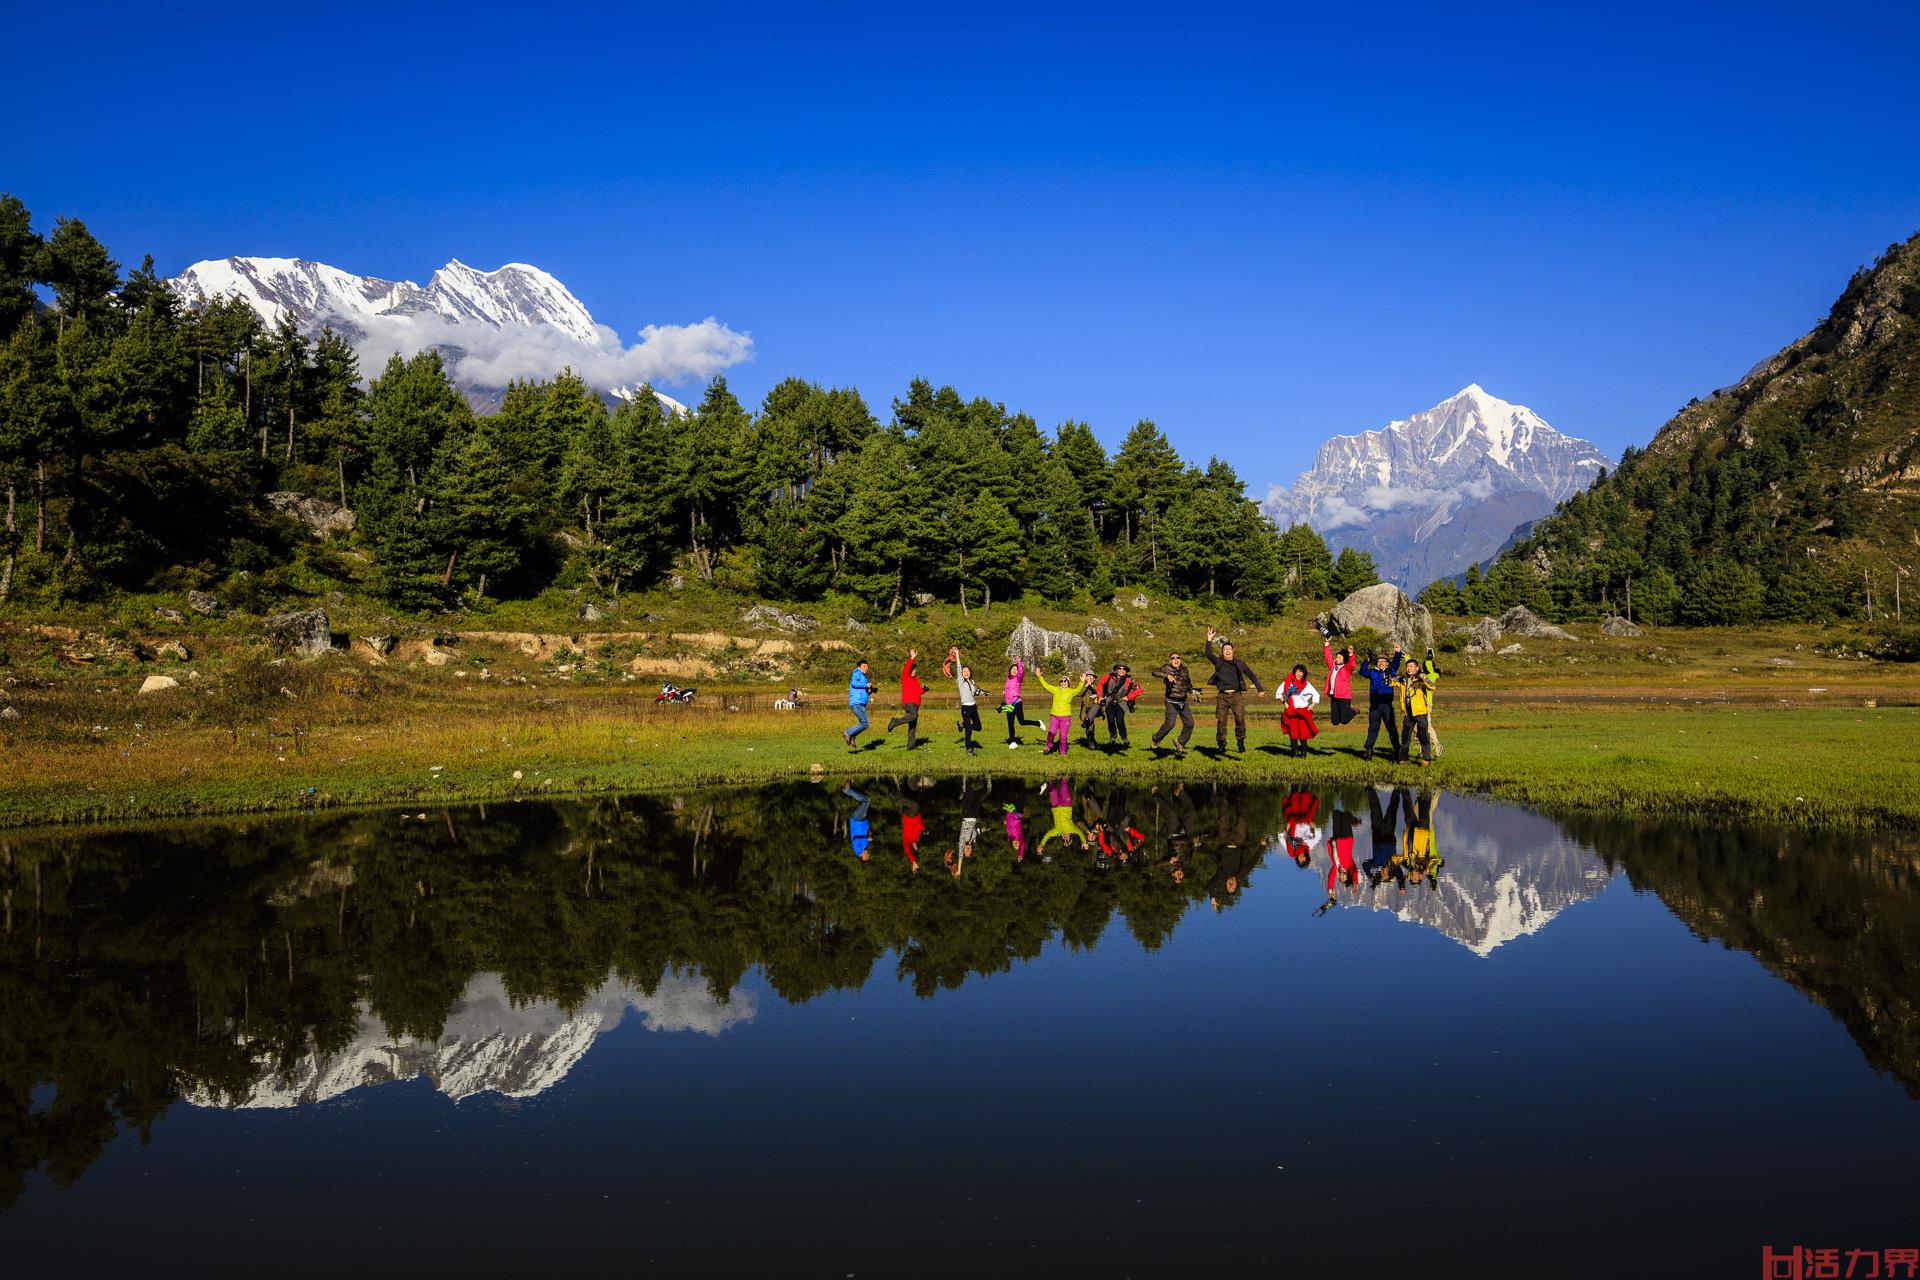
{"points": [[138, 438]]}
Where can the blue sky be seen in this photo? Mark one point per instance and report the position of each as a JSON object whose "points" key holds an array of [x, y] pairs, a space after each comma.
{"points": [[1258, 228]]}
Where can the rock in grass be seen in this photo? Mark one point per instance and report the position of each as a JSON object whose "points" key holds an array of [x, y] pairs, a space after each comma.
{"points": [[1033, 644], [1511, 650], [158, 684], [8, 713], [382, 645], [175, 650], [203, 602], [1388, 611], [1099, 629], [1618, 626], [173, 616], [306, 631], [1522, 621]]}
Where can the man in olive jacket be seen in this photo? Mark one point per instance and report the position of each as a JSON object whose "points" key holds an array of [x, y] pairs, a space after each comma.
{"points": [[1232, 678], [1179, 678]]}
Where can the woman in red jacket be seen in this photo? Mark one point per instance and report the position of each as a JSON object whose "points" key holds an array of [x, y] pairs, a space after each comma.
{"points": [[1339, 679], [911, 691]]}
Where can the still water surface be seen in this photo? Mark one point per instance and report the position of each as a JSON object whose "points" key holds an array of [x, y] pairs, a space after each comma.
{"points": [[1224, 1029]]}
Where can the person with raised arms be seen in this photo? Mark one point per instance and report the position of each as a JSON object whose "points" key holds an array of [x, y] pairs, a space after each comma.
{"points": [[1231, 679]]}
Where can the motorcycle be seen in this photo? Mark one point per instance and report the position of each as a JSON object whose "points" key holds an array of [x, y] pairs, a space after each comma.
{"points": [[673, 693]]}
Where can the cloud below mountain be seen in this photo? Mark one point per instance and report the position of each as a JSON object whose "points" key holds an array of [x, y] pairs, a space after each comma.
{"points": [[494, 357]]}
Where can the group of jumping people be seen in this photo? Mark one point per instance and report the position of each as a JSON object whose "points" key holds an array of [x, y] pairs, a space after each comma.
{"points": [[1400, 694]]}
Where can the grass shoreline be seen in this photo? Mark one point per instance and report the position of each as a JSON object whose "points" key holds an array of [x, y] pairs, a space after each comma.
{"points": [[1834, 767]]}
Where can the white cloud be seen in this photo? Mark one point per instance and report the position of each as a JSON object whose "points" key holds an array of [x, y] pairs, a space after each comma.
{"points": [[490, 357]]}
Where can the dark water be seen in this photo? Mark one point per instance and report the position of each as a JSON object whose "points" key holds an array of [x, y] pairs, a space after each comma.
{"points": [[697, 1034]]}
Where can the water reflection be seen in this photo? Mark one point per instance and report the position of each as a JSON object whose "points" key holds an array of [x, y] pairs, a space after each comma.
{"points": [[484, 950]]}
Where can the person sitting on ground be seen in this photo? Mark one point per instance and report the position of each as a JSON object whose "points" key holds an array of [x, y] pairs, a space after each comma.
{"points": [[1179, 681], [1231, 678], [1298, 698]]}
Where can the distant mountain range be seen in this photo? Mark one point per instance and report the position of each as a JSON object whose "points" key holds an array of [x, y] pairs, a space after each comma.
{"points": [[493, 327], [489, 1044], [1429, 495]]}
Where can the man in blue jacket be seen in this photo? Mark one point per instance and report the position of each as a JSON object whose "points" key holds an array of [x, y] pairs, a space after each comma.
{"points": [[1380, 709], [859, 690]]}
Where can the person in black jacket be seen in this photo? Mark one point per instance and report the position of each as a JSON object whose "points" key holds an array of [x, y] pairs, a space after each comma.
{"points": [[1179, 679], [1231, 678]]}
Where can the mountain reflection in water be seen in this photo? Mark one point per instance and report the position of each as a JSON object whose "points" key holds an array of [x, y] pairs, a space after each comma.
{"points": [[282, 963]]}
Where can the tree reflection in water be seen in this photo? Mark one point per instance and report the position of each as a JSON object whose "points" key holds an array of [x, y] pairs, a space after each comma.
{"points": [[240, 963]]}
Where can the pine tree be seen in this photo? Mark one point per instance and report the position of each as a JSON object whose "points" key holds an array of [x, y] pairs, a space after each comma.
{"points": [[1353, 569]]}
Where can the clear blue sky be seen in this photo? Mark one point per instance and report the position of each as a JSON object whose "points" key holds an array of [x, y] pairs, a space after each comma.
{"points": [[1257, 229]]}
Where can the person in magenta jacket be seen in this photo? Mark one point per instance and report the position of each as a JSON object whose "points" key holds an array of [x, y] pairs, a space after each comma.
{"points": [[1340, 671], [1011, 704]]}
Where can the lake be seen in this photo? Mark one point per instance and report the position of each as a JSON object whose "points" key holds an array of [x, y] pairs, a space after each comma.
{"points": [[1218, 1029]]}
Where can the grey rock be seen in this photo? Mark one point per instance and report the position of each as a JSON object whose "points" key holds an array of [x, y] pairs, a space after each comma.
{"points": [[1388, 610], [763, 616], [306, 631], [175, 650], [1618, 626], [856, 626], [1140, 601], [923, 598], [382, 645], [1512, 649], [1522, 621], [173, 616], [203, 602], [158, 684], [590, 613], [1099, 629], [321, 518], [1033, 644], [1780, 662], [8, 713]]}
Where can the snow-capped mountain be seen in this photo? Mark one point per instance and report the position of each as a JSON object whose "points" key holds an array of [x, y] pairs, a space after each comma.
{"points": [[1431, 494], [492, 326], [1508, 872], [490, 1044]]}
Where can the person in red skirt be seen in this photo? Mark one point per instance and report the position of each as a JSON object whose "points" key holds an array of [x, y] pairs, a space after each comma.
{"points": [[1298, 698]]}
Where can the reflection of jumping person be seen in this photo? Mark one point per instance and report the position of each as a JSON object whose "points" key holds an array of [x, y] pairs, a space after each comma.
{"points": [[1231, 678], [859, 829], [1060, 805], [1423, 861], [1016, 824], [1380, 828], [1011, 704], [956, 857], [911, 691], [1060, 714], [913, 826], [969, 697], [1179, 680], [1380, 704], [1299, 810], [859, 691], [1298, 698], [1340, 851]]}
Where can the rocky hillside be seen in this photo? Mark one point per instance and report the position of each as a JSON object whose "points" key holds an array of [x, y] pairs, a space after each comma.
{"points": [[1793, 494]]}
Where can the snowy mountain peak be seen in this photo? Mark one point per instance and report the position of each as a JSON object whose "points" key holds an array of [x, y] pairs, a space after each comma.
{"points": [[1429, 494], [514, 322]]}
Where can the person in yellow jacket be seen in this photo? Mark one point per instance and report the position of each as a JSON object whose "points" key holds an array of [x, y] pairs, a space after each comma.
{"points": [[1060, 714], [1413, 695]]}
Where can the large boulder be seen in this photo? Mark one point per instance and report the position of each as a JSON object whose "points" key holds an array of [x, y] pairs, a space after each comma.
{"points": [[1618, 626], [1522, 621], [1386, 609], [321, 518], [158, 684], [203, 602], [1483, 636], [1033, 644], [306, 631]]}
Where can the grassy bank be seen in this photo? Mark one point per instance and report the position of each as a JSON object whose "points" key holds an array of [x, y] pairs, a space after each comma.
{"points": [[1773, 724]]}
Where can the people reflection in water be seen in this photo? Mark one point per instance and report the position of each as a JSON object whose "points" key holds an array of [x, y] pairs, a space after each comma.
{"points": [[1231, 863], [1181, 822], [913, 827], [1423, 860], [1340, 868], [1060, 803], [1300, 809], [1016, 824], [1115, 838], [955, 858], [859, 826], [1382, 827]]}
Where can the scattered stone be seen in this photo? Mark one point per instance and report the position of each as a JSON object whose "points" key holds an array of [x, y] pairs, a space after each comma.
{"points": [[175, 650], [1780, 662], [436, 657], [203, 602], [676, 582], [1615, 625], [382, 645], [857, 627], [1099, 629], [922, 599], [306, 631], [1522, 621], [1140, 601], [1032, 644], [1511, 649], [321, 518], [173, 616], [1387, 610], [8, 713], [158, 684], [590, 613], [653, 617], [762, 616]]}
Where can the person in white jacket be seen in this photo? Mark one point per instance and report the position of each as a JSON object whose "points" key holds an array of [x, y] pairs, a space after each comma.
{"points": [[1298, 698]]}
